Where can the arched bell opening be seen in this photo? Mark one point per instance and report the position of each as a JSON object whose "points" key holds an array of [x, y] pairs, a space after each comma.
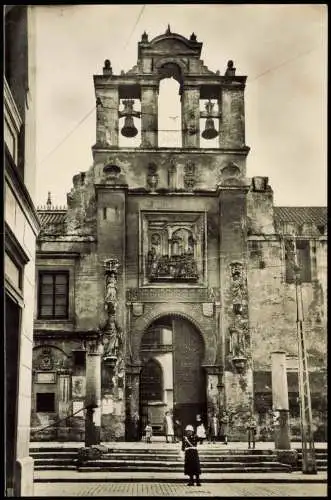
{"points": [[129, 123], [172, 378], [169, 106], [209, 123]]}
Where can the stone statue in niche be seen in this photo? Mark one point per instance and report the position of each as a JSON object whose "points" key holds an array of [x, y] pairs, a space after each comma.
{"points": [[111, 293], [237, 342], [152, 176], [172, 175], [112, 340]]}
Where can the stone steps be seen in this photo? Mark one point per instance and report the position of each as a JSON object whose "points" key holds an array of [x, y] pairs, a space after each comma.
{"points": [[158, 460], [40, 458], [163, 459], [321, 457]]}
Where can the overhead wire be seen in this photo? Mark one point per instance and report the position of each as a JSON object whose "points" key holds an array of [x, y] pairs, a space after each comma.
{"points": [[68, 135], [135, 25]]}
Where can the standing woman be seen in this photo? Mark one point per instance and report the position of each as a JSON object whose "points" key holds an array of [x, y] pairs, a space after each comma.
{"points": [[192, 462], [200, 430], [225, 426]]}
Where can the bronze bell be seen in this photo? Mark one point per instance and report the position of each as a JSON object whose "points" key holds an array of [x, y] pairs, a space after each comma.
{"points": [[210, 132], [129, 129]]}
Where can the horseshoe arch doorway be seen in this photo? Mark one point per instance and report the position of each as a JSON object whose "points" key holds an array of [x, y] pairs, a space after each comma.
{"points": [[172, 377]]}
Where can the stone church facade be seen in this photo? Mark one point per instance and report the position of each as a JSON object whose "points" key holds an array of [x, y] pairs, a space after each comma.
{"points": [[167, 281]]}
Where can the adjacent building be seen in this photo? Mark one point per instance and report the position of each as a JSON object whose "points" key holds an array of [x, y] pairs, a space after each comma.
{"points": [[167, 281], [21, 229]]}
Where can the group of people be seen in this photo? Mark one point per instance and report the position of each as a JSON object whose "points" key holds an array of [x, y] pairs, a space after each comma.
{"points": [[191, 437]]}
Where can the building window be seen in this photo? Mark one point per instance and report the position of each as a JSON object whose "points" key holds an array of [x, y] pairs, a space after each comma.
{"points": [[45, 402], [79, 358], [303, 255], [53, 295], [151, 382], [302, 250]]}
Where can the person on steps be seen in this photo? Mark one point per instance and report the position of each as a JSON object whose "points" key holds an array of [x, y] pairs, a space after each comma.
{"points": [[191, 460], [225, 426], [148, 432], [200, 429], [168, 425], [251, 431]]}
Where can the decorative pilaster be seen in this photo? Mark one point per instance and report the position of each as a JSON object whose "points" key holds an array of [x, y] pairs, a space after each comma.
{"points": [[149, 116], [232, 107], [190, 117], [234, 324], [133, 425], [107, 116], [64, 378]]}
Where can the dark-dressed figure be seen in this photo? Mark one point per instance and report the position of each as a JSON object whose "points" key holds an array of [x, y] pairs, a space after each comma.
{"points": [[251, 431], [178, 430], [192, 462], [225, 426]]}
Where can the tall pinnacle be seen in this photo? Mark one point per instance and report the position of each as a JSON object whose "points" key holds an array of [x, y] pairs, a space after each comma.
{"points": [[49, 201]]}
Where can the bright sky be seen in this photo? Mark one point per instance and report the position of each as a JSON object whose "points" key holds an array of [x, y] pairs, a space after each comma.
{"points": [[281, 48]]}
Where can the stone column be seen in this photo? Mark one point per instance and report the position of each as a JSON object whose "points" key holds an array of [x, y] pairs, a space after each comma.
{"points": [[94, 352], [107, 116], [280, 403], [64, 404], [149, 116], [190, 117], [212, 389], [232, 123], [132, 402]]}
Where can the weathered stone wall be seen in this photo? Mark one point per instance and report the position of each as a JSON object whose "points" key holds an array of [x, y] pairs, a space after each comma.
{"points": [[272, 301], [134, 165]]}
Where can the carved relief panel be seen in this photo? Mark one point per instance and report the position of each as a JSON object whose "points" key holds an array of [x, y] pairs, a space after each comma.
{"points": [[173, 247]]}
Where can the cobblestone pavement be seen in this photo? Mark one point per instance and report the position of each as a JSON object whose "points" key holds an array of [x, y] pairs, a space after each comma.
{"points": [[171, 489]]}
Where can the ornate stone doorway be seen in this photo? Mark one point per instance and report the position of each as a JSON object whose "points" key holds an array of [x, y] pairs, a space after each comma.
{"points": [[172, 377]]}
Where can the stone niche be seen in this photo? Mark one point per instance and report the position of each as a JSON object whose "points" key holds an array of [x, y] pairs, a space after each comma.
{"points": [[173, 248]]}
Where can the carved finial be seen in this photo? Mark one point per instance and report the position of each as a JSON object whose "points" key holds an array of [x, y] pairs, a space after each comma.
{"points": [[230, 70], [107, 69], [193, 37], [144, 37], [168, 32], [49, 201]]}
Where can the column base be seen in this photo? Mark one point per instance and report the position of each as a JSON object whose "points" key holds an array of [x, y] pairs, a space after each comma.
{"points": [[24, 477], [282, 434]]}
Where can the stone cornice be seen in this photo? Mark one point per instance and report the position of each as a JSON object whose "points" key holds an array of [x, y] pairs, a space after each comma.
{"points": [[24, 199], [57, 255], [10, 106], [42, 334], [243, 151], [13, 246]]}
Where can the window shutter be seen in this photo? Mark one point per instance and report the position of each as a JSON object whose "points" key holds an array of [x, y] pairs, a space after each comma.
{"points": [[53, 296]]}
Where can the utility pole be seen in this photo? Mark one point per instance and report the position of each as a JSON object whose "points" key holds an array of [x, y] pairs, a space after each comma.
{"points": [[308, 449]]}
